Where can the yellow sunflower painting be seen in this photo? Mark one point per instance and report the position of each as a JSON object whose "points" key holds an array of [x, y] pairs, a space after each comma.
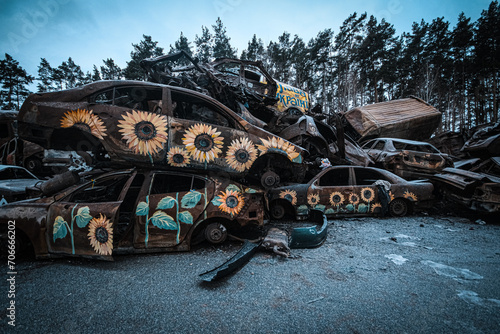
{"points": [[144, 132], [279, 144], [84, 120], [178, 157], [367, 194], [375, 207], [241, 154], [336, 198], [231, 202], [101, 235], [353, 199], [313, 199], [410, 195], [203, 142], [290, 195]]}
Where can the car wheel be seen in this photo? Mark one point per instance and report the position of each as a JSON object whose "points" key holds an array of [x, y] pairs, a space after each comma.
{"points": [[34, 165], [216, 233], [270, 180], [398, 207], [277, 211]]}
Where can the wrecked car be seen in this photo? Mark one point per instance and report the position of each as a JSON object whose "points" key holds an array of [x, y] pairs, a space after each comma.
{"points": [[132, 211], [408, 159], [13, 183], [350, 191], [158, 126], [476, 191], [485, 142], [247, 88]]}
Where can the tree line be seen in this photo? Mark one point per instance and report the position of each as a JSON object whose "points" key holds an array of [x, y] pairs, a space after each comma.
{"points": [[455, 69]]}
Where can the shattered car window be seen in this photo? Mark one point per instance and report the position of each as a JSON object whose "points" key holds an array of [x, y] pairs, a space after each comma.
{"points": [[106, 190], [188, 107], [337, 177], [15, 173], [366, 177], [138, 98]]}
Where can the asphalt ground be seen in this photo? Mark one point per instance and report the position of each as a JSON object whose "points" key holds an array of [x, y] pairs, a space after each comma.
{"points": [[418, 274]]}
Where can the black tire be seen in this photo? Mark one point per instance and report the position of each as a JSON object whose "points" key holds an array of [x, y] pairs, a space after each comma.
{"points": [[398, 207], [34, 165], [216, 233], [278, 211]]}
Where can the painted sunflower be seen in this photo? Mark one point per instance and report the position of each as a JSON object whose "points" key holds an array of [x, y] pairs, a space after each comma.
{"points": [[353, 199], [391, 195], [367, 194], [278, 144], [241, 154], [231, 202], [203, 142], [101, 235], [336, 198], [375, 207], [290, 195], [84, 120], [144, 132], [178, 157], [410, 195], [313, 199]]}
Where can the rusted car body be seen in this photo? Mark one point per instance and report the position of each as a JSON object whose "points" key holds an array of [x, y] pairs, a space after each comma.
{"points": [[476, 191], [490, 166], [131, 211], [13, 183], [157, 126], [407, 158], [485, 142], [350, 191], [248, 89], [410, 118]]}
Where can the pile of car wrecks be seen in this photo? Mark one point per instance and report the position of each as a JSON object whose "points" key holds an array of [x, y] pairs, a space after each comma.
{"points": [[205, 152]]}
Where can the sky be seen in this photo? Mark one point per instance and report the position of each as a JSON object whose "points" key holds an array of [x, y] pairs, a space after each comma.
{"points": [[90, 31]]}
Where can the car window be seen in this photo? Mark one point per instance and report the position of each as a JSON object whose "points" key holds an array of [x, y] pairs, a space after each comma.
{"points": [[366, 177], [335, 177], [171, 183], [103, 190], [137, 98], [398, 145], [380, 145], [427, 149], [15, 173], [191, 108], [368, 144]]}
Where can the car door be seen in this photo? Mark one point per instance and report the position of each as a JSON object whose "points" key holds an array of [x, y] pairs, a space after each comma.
{"points": [[166, 213], [332, 192], [83, 222], [376, 150], [365, 190], [134, 122], [203, 136]]}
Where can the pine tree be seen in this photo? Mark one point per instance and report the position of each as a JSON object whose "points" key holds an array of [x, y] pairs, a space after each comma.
{"points": [[110, 71], [204, 45], [255, 50], [182, 45], [222, 46], [146, 48], [13, 79], [45, 72], [96, 75], [71, 75]]}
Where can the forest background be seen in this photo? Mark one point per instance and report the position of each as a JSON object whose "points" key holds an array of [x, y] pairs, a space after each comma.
{"points": [[455, 68]]}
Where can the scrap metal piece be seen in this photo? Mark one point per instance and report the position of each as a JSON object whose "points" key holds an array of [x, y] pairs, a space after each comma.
{"points": [[277, 241], [236, 262], [310, 236]]}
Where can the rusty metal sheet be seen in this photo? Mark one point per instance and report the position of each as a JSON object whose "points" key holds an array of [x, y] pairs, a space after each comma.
{"points": [[409, 118]]}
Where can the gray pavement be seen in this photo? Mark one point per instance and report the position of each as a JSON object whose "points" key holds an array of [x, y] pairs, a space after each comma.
{"points": [[417, 274]]}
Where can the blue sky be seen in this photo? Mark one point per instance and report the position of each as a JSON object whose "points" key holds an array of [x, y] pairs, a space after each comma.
{"points": [[90, 30]]}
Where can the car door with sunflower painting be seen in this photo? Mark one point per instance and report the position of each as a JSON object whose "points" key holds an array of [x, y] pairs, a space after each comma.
{"points": [[82, 223], [336, 193], [134, 121], [170, 208], [199, 131]]}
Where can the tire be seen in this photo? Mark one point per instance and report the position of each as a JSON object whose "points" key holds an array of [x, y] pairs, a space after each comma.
{"points": [[216, 233], [398, 207], [277, 211], [34, 165], [270, 180]]}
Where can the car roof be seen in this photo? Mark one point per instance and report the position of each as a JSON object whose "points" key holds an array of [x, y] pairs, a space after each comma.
{"points": [[3, 167], [405, 141]]}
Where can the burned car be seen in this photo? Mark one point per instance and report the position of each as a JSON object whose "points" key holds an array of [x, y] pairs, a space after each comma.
{"points": [[13, 183], [350, 191], [132, 211], [407, 158], [477, 191], [157, 126]]}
